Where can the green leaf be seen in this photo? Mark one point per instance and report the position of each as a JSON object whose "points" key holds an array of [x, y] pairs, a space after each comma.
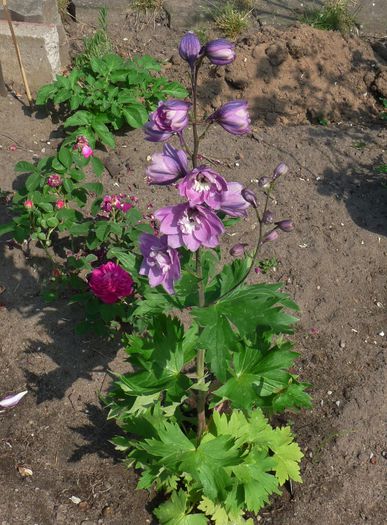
{"points": [[287, 456], [81, 229], [293, 396], [173, 512], [6, 228], [126, 259], [25, 167], [80, 118], [175, 90], [65, 156], [103, 133], [135, 115], [98, 166], [33, 182], [94, 187], [45, 93]]}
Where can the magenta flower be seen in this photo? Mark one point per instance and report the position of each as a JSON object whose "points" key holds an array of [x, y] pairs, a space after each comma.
{"points": [[54, 181], [87, 151], [203, 186], [232, 201], [220, 52], [60, 204], [11, 400], [170, 117], [161, 263], [233, 117], [168, 166], [189, 48], [190, 226], [110, 283]]}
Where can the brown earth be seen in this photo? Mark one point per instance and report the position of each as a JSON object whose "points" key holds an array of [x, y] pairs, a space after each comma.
{"points": [[333, 265]]}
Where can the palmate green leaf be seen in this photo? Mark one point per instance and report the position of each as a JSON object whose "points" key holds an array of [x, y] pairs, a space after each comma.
{"points": [[174, 512], [293, 396], [287, 455]]}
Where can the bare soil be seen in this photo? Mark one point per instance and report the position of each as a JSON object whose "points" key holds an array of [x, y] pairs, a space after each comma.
{"points": [[333, 265]]}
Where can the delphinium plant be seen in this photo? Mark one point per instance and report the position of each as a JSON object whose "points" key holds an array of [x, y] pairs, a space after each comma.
{"points": [[208, 351]]}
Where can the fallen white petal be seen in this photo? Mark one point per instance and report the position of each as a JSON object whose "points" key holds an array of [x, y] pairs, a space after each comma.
{"points": [[12, 399]]}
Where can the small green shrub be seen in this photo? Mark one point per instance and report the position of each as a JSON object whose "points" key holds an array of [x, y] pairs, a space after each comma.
{"points": [[97, 45], [231, 17], [336, 15]]}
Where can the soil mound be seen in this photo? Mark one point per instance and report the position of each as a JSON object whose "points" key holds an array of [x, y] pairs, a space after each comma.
{"points": [[300, 74]]}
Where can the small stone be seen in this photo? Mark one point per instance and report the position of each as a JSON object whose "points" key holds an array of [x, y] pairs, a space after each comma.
{"points": [[342, 344], [329, 392], [75, 500], [373, 460], [381, 334], [107, 511], [338, 403], [84, 506]]}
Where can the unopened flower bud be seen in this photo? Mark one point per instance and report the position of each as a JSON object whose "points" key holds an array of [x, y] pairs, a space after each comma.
{"points": [[264, 182], [285, 225], [249, 197], [281, 169], [267, 217], [189, 48], [28, 204], [220, 52], [60, 204], [238, 249], [271, 236]]}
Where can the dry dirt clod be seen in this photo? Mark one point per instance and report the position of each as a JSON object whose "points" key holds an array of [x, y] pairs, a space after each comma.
{"points": [[24, 470]]}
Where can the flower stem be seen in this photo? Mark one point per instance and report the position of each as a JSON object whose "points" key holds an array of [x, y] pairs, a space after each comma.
{"points": [[194, 83]]}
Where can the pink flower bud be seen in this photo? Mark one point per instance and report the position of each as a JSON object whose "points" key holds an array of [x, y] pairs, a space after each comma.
{"points": [[271, 236], [28, 204], [281, 169], [285, 225], [238, 249], [59, 204], [87, 151]]}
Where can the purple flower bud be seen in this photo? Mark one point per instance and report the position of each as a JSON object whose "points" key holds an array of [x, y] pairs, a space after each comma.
{"points": [[281, 169], [285, 225], [220, 52], [264, 182], [271, 236], [267, 217], [12, 400], [233, 117], [189, 48], [238, 249], [250, 197]]}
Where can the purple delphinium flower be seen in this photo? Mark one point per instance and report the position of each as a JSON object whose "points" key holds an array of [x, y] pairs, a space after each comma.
{"points": [[286, 225], [250, 197], [203, 186], [190, 226], [54, 181], [220, 51], [271, 236], [161, 262], [170, 117], [168, 166], [233, 117], [11, 400], [232, 201], [109, 282], [189, 48], [238, 249], [281, 169]]}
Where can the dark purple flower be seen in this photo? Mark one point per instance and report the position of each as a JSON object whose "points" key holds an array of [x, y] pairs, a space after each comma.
{"points": [[170, 117], [250, 197], [110, 283], [281, 169], [238, 249], [190, 226], [168, 166], [54, 180], [220, 52], [203, 185], [286, 225], [232, 201], [233, 117], [267, 217], [271, 236], [161, 263], [189, 48]]}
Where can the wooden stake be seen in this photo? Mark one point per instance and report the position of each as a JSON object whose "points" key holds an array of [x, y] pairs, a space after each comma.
{"points": [[3, 87], [22, 70]]}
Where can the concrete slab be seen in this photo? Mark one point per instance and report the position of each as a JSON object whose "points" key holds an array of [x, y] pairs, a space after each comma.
{"points": [[42, 11], [43, 51]]}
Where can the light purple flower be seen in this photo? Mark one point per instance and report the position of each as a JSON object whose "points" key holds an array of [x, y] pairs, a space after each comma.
{"points": [[233, 117], [203, 185], [54, 181], [161, 263], [190, 226], [109, 282], [286, 225], [232, 201], [220, 51], [168, 166], [189, 48], [11, 400], [281, 169], [238, 249], [250, 197], [170, 117], [271, 236]]}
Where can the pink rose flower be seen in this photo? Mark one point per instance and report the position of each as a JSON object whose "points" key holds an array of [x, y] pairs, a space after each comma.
{"points": [[87, 151], [59, 204], [110, 283]]}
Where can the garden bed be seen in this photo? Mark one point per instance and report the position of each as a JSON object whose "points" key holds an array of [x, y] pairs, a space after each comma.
{"points": [[333, 265]]}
